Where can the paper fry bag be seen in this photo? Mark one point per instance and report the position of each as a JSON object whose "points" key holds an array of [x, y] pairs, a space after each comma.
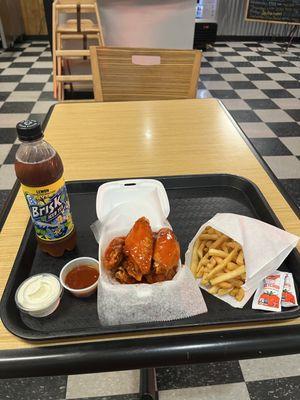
{"points": [[265, 247]]}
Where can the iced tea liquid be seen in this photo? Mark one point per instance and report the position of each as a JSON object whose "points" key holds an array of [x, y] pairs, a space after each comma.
{"points": [[40, 170]]}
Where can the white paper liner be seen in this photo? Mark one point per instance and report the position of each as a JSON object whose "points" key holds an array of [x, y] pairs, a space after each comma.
{"points": [[265, 248], [135, 303]]}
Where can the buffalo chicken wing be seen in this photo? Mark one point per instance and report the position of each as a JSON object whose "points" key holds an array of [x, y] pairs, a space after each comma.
{"points": [[141, 256], [139, 248]]}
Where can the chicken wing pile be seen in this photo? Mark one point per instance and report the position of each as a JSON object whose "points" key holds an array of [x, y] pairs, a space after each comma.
{"points": [[143, 256]]}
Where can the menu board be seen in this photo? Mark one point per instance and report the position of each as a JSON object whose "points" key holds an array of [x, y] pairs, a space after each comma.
{"points": [[276, 11]]}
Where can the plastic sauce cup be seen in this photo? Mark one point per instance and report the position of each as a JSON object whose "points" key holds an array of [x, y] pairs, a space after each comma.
{"points": [[39, 295], [85, 292]]}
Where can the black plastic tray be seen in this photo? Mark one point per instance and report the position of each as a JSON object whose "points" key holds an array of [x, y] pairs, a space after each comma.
{"points": [[193, 200]]}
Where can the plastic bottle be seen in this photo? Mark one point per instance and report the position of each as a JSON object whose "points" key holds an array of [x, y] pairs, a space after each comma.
{"points": [[40, 170]]}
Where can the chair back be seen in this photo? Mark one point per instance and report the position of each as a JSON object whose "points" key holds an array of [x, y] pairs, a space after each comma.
{"points": [[125, 74], [75, 1]]}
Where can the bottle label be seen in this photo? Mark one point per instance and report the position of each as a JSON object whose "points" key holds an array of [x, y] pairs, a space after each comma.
{"points": [[50, 210]]}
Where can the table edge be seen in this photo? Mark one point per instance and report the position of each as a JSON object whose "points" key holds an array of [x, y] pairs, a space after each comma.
{"points": [[263, 163], [149, 352]]}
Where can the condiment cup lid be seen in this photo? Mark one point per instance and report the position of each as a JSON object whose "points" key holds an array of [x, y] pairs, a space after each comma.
{"points": [[73, 264]]}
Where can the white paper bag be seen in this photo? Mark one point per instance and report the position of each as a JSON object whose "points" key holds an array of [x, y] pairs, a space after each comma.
{"points": [[135, 303], [265, 247]]}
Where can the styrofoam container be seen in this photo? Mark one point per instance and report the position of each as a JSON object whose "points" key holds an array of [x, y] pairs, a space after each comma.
{"points": [[119, 204], [149, 195]]}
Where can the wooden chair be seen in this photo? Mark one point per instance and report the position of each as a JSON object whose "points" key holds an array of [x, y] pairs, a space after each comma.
{"points": [[124, 74], [73, 29]]}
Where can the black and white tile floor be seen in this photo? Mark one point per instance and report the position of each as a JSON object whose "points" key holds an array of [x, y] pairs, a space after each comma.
{"points": [[260, 86], [261, 379], [25, 92]]}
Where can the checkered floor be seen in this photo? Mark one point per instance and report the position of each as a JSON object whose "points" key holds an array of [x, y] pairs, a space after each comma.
{"points": [[25, 92], [261, 379], [259, 85]]}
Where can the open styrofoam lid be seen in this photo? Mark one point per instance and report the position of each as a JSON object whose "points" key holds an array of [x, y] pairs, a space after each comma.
{"points": [[149, 194]]}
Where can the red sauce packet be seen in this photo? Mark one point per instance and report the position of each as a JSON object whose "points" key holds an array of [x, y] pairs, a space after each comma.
{"points": [[289, 298], [268, 295]]}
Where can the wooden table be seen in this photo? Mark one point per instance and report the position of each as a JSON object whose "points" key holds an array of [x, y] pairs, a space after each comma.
{"points": [[154, 138]]}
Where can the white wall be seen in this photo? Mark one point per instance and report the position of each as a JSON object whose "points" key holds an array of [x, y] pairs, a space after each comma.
{"points": [[148, 23]]}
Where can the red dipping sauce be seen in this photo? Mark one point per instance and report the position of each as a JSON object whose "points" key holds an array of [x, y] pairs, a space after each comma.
{"points": [[81, 277]]}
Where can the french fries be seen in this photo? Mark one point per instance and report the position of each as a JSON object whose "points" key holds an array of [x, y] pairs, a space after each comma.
{"points": [[219, 262], [227, 275]]}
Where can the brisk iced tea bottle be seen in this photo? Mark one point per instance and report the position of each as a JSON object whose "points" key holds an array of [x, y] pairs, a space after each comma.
{"points": [[40, 171]]}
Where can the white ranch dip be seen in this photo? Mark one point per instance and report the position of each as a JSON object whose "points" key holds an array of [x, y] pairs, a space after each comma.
{"points": [[39, 295]]}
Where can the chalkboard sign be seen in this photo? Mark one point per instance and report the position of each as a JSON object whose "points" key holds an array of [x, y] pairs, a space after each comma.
{"points": [[276, 11]]}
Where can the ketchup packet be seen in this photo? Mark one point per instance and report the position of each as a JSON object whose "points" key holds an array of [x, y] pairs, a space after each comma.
{"points": [[289, 298], [268, 295]]}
